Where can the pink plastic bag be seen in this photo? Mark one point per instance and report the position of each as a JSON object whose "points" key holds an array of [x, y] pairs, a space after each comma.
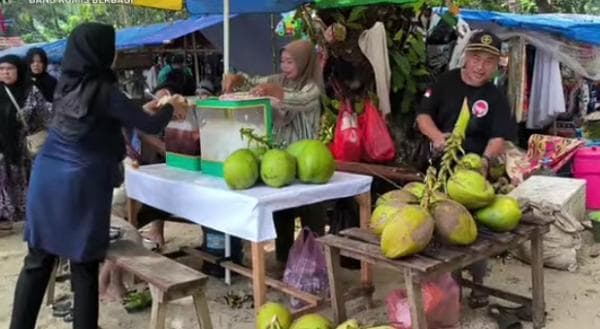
{"points": [[441, 304], [306, 268]]}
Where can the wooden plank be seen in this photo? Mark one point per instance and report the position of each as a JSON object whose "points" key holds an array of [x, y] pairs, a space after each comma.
{"points": [[415, 300], [373, 253], [495, 236], [158, 314], [361, 234], [537, 279], [518, 299], [440, 254], [364, 207], [276, 284], [258, 274], [202, 313], [160, 271], [332, 256], [393, 173]]}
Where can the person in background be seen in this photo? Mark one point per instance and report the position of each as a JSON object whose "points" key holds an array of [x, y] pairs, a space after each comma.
{"points": [[70, 192], [38, 68], [491, 123], [23, 111], [297, 91], [177, 63]]}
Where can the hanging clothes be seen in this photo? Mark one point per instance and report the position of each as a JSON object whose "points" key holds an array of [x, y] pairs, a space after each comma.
{"points": [[373, 44], [547, 99]]}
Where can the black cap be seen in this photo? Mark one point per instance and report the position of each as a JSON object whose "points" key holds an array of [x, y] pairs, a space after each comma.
{"points": [[485, 41]]}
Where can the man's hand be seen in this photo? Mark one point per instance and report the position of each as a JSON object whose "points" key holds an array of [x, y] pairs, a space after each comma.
{"points": [[439, 143], [180, 107]]}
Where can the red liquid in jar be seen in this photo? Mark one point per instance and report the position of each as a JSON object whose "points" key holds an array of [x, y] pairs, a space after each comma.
{"points": [[182, 141]]}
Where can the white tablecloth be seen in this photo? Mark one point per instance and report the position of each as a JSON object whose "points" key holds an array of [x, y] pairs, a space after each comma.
{"points": [[247, 214]]}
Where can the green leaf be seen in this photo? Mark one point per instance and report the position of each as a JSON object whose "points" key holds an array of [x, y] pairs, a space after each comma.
{"points": [[339, 17], [398, 36], [413, 58], [418, 46], [402, 63], [357, 13], [420, 72], [411, 86], [397, 80], [354, 26], [407, 103]]}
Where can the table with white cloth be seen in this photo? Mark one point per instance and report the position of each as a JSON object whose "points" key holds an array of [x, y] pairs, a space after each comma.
{"points": [[247, 214]]}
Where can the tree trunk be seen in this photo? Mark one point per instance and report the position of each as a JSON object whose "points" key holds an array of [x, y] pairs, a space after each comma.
{"points": [[544, 6]]}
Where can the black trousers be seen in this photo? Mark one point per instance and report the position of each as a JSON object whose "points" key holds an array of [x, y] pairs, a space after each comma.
{"points": [[32, 284], [314, 216]]}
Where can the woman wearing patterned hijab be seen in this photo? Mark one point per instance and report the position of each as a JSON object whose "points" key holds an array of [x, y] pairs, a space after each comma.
{"points": [[23, 111], [70, 193]]}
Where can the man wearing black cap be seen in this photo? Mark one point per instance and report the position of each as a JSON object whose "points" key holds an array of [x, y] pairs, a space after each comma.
{"points": [[491, 123]]}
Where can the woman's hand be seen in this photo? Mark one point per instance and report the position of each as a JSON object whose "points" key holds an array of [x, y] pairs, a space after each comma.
{"points": [[268, 90], [180, 107], [232, 81], [152, 106]]}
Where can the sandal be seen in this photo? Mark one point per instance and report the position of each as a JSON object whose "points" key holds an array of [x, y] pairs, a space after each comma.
{"points": [[505, 320], [69, 317], [62, 309], [478, 300], [523, 312]]}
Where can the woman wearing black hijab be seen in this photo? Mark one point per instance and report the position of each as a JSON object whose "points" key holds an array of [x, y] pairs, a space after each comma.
{"points": [[38, 66], [70, 193], [23, 111]]}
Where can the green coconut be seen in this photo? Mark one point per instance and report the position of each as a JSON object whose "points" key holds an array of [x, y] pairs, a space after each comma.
{"points": [[316, 164], [470, 189], [277, 168], [415, 188], [383, 214], [503, 215], [272, 314], [240, 169], [453, 222], [397, 196], [312, 321], [408, 233]]}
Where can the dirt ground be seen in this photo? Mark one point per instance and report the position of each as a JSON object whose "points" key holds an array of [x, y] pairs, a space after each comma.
{"points": [[572, 298]]}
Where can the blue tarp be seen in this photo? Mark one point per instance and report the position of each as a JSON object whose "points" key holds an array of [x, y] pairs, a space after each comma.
{"points": [[205, 7], [132, 37], [581, 28]]}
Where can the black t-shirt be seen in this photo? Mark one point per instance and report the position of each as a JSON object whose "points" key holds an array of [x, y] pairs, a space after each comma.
{"points": [[490, 112]]}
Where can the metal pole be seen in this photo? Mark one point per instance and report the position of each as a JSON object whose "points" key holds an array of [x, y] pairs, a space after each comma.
{"points": [[225, 36], [273, 50], [195, 54]]}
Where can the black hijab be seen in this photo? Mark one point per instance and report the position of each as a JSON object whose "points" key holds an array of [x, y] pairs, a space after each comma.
{"points": [[84, 88], [43, 81], [9, 124]]}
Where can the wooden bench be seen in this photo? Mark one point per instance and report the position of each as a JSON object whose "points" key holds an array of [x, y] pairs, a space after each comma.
{"points": [[363, 245], [168, 280]]}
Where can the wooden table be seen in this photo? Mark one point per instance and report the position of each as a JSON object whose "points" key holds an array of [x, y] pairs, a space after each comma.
{"points": [[360, 243]]}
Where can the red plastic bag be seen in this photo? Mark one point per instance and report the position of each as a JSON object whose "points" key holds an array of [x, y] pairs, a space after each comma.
{"points": [[378, 145], [346, 144], [441, 304]]}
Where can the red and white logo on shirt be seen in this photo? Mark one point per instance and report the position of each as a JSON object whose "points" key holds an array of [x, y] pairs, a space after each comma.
{"points": [[427, 93], [480, 108]]}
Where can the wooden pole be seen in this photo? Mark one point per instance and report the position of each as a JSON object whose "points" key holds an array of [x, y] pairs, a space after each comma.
{"points": [[196, 65]]}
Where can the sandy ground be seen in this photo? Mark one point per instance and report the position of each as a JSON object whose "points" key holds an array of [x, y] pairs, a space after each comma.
{"points": [[572, 298]]}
